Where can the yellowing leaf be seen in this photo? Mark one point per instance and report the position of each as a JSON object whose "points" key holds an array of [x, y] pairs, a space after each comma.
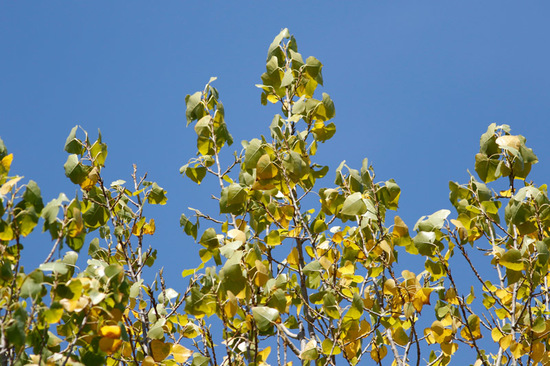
{"points": [[109, 345], [160, 350], [512, 260], [400, 336], [180, 353]]}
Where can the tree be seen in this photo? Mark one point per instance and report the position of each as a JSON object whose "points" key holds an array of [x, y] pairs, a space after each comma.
{"points": [[315, 273]]}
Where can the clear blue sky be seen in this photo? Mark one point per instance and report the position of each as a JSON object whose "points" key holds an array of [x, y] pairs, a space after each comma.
{"points": [[415, 83]]}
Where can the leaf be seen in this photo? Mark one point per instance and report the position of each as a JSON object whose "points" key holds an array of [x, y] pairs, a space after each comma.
{"points": [[512, 260], [110, 331], [329, 348], [74, 170], [433, 222], [354, 205], [180, 353], [265, 317], [209, 239], [330, 306], [486, 168], [160, 350], [400, 336], [310, 353], [200, 360], [109, 345], [157, 195], [72, 144], [253, 153]]}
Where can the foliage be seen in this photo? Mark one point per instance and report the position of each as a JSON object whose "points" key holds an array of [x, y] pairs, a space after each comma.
{"points": [[315, 272]]}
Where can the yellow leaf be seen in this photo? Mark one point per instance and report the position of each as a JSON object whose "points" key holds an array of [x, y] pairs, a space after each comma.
{"points": [[449, 348], [110, 331], [507, 193], [149, 228], [148, 361], [421, 298], [450, 296], [472, 330], [272, 98], [508, 141], [496, 334], [262, 355], [400, 230], [389, 287], [109, 345], [231, 306], [262, 274], [505, 341], [90, 180], [6, 162], [516, 349], [180, 353], [378, 354], [160, 350], [537, 351], [237, 235], [6, 187], [292, 258]]}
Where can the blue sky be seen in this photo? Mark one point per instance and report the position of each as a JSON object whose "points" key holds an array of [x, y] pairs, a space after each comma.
{"points": [[414, 84]]}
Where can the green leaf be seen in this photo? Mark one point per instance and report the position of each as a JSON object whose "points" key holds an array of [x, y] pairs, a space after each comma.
{"points": [[32, 286], [354, 205], [74, 170], [425, 243], [288, 78], [72, 144], [188, 227], [95, 216], [195, 109], [200, 360], [55, 267], [253, 153], [313, 69], [542, 250], [486, 168], [265, 317], [487, 142], [330, 306], [33, 196], [196, 174], [433, 222], [209, 239], [157, 195]]}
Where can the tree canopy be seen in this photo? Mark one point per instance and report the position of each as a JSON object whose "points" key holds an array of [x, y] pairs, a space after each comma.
{"points": [[300, 264]]}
